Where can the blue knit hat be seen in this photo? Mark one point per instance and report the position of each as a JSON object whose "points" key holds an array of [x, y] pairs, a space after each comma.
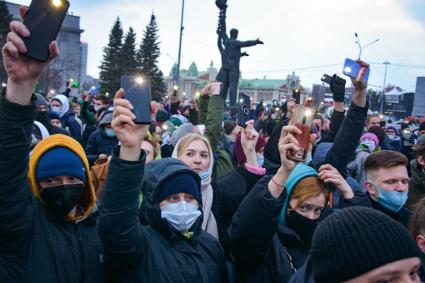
{"points": [[60, 161], [300, 172], [179, 183]]}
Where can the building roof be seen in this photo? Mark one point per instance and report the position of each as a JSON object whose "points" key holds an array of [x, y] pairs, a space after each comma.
{"points": [[262, 83]]}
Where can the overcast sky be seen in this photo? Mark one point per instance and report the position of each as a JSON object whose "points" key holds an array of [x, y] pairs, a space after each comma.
{"points": [[298, 34]]}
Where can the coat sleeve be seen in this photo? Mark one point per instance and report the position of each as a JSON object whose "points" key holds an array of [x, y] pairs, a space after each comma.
{"points": [[16, 200], [86, 114], [214, 120], [203, 109], [254, 225], [74, 128], [347, 139], [336, 122], [119, 228]]}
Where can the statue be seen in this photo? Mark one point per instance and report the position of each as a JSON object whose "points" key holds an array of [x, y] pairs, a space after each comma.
{"points": [[230, 50]]}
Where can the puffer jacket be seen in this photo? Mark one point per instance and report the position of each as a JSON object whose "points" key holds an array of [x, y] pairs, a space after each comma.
{"points": [[99, 143], [36, 245], [157, 252]]}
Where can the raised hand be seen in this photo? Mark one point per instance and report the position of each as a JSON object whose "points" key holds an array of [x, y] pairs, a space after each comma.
{"points": [[249, 138], [23, 72], [288, 142], [329, 174], [130, 135]]}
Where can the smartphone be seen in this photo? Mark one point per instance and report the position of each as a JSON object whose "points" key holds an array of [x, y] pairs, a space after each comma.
{"points": [[326, 79], [302, 119], [352, 69], [296, 94], [243, 110], [137, 90], [44, 20]]}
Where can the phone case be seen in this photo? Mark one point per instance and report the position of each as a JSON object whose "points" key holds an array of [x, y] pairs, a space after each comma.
{"points": [[352, 69], [44, 21], [139, 95], [302, 122], [243, 111]]}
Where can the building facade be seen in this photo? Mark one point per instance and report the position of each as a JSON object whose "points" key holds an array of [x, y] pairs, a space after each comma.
{"points": [[72, 62], [419, 98]]}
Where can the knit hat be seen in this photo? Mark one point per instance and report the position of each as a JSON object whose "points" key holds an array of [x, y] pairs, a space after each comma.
{"points": [[370, 136], [161, 116], [356, 240], [41, 100], [106, 119], [179, 183], [300, 172], [391, 128], [54, 116], [60, 161], [239, 154]]}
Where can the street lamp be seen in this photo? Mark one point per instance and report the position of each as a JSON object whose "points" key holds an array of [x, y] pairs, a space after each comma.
{"points": [[362, 48]]}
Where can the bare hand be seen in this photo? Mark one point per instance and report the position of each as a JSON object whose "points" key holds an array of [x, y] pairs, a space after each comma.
{"points": [[23, 72], [288, 142], [329, 174], [249, 138], [130, 135]]}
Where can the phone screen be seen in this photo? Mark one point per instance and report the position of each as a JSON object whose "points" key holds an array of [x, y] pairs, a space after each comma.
{"points": [[352, 69], [44, 20], [138, 91]]}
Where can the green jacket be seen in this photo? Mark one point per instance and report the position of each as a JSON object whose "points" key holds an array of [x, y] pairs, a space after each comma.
{"points": [[211, 114], [88, 116]]}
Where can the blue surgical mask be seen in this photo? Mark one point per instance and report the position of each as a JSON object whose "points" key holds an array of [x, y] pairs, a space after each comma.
{"points": [[56, 109], [391, 200], [110, 133], [204, 175], [260, 160], [181, 215]]}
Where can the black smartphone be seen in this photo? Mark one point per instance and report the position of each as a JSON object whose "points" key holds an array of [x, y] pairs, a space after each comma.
{"points": [[326, 79], [243, 111], [296, 94], [44, 20], [137, 90]]}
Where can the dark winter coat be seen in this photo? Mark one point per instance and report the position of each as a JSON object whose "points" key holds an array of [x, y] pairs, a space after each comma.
{"points": [[71, 125], [36, 246], [403, 216], [154, 253], [99, 143], [416, 183]]}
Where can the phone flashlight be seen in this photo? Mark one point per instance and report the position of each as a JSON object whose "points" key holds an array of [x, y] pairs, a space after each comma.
{"points": [[347, 70], [139, 80], [57, 3]]}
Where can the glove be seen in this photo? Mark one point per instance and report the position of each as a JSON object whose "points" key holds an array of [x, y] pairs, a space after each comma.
{"points": [[337, 86]]}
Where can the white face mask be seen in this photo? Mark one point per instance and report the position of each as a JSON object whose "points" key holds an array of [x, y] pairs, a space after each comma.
{"points": [[181, 215], [391, 136], [369, 144], [96, 108], [56, 109]]}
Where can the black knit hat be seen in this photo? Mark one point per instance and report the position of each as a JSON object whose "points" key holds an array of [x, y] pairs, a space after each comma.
{"points": [[161, 116], [356, 240], [179, 183]]}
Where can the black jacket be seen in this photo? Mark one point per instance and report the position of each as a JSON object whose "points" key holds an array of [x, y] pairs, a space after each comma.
{"points": [[155, 253], [36, 246], [99, 143], [265, 250], [70, 123]]}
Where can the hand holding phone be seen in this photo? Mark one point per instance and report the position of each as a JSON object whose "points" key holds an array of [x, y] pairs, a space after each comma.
{"points": [[137, 90], [243, 109], [337, 86], [302, 119], [358, 70], [43, 20]]}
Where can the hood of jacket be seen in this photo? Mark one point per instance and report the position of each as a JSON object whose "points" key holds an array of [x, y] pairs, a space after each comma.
{"points": [[300, 172], [156, 172], [65, 104], [88, 199]]}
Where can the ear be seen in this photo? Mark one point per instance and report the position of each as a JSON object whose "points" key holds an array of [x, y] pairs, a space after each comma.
{"points": [[420, 241], [421, 160], [370, 188]]}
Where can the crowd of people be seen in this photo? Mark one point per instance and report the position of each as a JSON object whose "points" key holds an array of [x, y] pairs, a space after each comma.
{"points": [[87, 195]]}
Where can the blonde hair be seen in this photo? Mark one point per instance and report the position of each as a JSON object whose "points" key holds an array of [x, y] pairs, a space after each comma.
{"points": [[188, 139]]}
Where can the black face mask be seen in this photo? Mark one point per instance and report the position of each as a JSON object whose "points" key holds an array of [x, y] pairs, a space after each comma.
{"points": [[303, 226], [43, 118], [62, 199]]}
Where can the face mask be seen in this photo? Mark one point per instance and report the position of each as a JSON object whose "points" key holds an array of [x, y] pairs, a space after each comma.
{"points": [[110, 133], [181, 215], [273, 116], [391, 200], [204, 175], [369, 144], [96, 108], [391, 136], [62, 199], [43, 118], [56, 109], [260, 160], [302, 225]]}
